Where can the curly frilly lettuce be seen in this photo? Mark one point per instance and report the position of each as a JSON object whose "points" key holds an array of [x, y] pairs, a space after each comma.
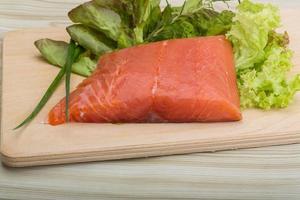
{"points": [[262, 57]]}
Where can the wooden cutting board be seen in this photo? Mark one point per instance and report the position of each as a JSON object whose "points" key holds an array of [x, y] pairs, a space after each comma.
{"points": [[26, 76]]}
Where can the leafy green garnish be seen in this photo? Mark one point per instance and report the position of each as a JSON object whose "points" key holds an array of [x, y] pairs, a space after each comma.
{"points": [[99, 18], [103, 20], [131, 22], [55, 52], [147, 14], [91, 39], [85, 65], [190, 6], [209, 22], [185, 24], [262, 57]]}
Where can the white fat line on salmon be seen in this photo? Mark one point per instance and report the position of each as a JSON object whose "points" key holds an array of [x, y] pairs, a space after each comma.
{"points": [[81, 114], [154, 88], [155, 82]]}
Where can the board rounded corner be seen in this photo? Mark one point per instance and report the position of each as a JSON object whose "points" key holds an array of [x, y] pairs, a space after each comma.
{"points": [[7, 159]]}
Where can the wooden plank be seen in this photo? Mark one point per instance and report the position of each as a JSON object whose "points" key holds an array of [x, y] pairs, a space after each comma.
{"points": [[270, 173], [26, 76]]}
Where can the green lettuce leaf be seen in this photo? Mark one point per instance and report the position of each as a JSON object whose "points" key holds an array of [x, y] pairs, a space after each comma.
{"points": [[97, 17], [209, 22], [147, 14], [102, 19], [120, 7], [55, 52], [190, 6], [250, 30], [202, 22], [262, 57], [91, 39], [84, 66], [180, 28]]}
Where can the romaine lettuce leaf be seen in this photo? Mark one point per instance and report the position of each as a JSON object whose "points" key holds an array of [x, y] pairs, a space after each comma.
{"points": [[97, 17], [103, 19], [91, 39], [190, 6], [147, 14], [120, 7], [55, 52], [84, 66]]}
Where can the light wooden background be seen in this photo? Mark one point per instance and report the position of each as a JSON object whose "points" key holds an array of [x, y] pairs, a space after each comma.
{"points": [[263, 173]]}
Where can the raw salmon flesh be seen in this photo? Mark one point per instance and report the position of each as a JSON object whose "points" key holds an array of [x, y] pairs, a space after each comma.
{"points": [[181, 80]]}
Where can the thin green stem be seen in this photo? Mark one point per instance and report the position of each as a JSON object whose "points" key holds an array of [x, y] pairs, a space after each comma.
{"points": [[53, 86], [45, 98], [73, 53]]}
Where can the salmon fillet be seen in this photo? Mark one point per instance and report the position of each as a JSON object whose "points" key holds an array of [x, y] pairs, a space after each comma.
{"points": [[181, 80]]}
